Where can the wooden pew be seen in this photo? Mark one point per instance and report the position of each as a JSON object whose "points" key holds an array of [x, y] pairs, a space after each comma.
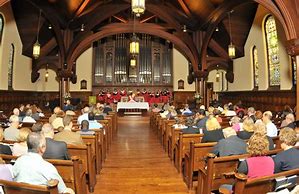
{"points": [[265, 184], [96, 147], [84, 152], [195, 160], [96, 142], [173, 137], [24, 188], [182, 146], [165, 132], [219, 171], [71, 171]]}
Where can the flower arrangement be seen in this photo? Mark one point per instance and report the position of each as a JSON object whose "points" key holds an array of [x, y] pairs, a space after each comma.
{"points": [[67, 96], [197, 98]]}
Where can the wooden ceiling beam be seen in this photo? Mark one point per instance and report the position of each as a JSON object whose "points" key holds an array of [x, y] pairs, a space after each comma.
{"points": [[147, 19], [219, 50], [147, 28], [81, 8], [218, 15], [185, 8], [120, 19]]}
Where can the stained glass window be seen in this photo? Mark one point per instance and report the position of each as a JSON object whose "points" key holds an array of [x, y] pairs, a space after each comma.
{"points": [[255, 64], [1, 27], [10, 66], [272, 51]]}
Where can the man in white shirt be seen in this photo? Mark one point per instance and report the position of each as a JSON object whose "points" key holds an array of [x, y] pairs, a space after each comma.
{"points": [[84, 116], [271, 128], [33, 169]]}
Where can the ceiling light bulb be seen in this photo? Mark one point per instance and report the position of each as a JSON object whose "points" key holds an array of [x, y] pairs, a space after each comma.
{"points": [[184, 28], [50, 27], [217, 29], [82, 28]]}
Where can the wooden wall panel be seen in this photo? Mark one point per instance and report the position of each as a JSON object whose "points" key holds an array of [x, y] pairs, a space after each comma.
{"points": [[11, 99], [263, 100], [181, 98]]}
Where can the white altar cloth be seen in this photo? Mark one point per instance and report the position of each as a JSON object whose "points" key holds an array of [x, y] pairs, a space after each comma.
{"points": [[132, 105]]}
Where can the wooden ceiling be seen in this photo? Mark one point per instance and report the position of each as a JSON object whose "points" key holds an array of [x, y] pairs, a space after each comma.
{"points": [[62, 44]]}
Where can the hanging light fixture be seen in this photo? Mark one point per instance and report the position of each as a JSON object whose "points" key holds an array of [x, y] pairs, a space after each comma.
{"points": [[36, 46], [231, 46], [82, 28], [184, 28], [138, 7], [217, 75], [134, 44], [133, 62], [47, 74]]}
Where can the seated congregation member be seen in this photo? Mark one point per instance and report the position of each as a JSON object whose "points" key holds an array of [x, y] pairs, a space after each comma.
{"points": [[289, 158], [228, 111], [5, 171], [107, 108], [258, 164], [28, 117], [213, 132], [288, 121], [84, 128], [156, 108], [236, 123], [258, 116], [37, 127], [247, 128], [36, 112], [216, 114], [172, 113], [84, 116], [56, 110], [93, 124], [16, 112], [260, 129], [58, 121], [55, 149], [67, 135], [201, 119], [186, 111], [190, 129], [68, 106], [231, 145], [179, 123], [251, 113], [271, 128], [21, 148], [12, 132], [4, 149], [99, 111], [33, 169]]}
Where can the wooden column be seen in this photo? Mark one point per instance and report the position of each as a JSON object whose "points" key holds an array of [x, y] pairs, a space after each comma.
{"points": [[293, 50]]}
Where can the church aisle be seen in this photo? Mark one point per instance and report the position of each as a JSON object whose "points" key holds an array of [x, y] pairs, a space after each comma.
{"points": [[137, 163]]}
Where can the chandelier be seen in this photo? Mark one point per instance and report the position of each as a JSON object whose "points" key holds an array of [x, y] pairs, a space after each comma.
{"points": [[138, 7], [134, 44], [36, 46], [133, 62], [231, 46]]}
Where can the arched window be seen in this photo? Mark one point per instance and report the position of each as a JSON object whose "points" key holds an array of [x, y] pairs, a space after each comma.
{"points": [[1, 26], [10, 66], [255, 65], [272, 51]]}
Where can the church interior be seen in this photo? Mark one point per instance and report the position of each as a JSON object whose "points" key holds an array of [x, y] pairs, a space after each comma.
{"points": [[154, 74]]}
